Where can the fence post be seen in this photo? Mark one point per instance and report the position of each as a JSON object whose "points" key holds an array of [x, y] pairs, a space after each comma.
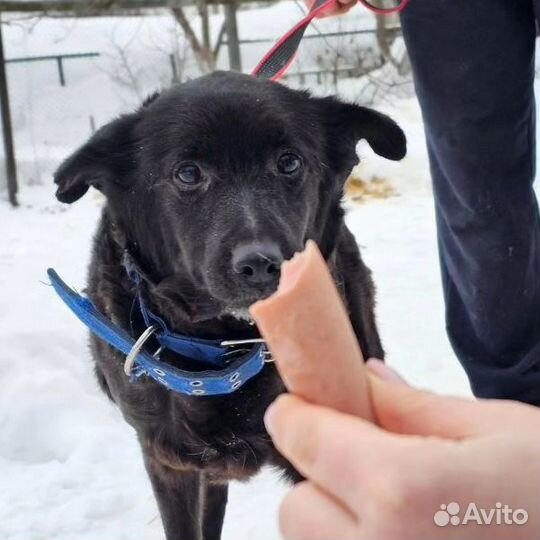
{"points": [[11, 169], [174, 69], [61, 71], [233, 42]]}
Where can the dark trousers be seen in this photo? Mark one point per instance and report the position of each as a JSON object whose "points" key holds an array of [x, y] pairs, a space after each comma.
{"points": [[473, 64]]}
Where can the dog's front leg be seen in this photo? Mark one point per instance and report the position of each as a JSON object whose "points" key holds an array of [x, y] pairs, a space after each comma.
{"points": [[178, 494], [213, 514], [359, 292]]}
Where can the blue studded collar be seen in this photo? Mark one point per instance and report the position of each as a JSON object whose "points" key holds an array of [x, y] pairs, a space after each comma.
{"points": [[226, 373]]}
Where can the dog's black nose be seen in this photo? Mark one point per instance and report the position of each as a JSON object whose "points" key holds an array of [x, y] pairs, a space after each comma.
{"points": [[257, 263]]}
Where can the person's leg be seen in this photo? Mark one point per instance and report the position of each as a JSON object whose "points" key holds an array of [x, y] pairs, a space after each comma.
{"points": [[473, 63]]}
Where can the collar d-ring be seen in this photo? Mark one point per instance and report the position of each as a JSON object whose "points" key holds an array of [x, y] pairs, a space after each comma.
{"points": [[137, 346]]}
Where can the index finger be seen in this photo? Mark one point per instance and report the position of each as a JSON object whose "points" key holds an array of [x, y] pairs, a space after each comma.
{"points": [[337, 8], [340, 453]]}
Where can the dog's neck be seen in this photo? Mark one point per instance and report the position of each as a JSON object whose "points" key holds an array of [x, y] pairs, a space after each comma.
{"points": [[174, 298], [191, 312]]}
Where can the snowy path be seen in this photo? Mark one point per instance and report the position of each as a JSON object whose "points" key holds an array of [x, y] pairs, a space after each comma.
{"points": [[70, 466]]}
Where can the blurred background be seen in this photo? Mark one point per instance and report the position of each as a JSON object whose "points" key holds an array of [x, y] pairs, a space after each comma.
{"points": [[72, 66], [70, 467]]}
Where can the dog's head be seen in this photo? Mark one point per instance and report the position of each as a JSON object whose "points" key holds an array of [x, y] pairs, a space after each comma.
{"points": [[222, 178]]}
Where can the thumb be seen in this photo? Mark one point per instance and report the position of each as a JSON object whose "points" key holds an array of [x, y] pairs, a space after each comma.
{"points": [[402, 409]]}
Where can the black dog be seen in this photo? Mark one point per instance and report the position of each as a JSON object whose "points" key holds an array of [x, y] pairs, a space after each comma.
{"points": [[209, 187]]}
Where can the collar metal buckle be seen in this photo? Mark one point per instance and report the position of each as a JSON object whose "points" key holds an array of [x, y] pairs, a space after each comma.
{"points": [[267, 355], [234, 342]]}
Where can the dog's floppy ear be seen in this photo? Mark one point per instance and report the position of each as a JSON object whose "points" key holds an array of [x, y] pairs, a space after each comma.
{"points": [[107, 157], [350, 123]]}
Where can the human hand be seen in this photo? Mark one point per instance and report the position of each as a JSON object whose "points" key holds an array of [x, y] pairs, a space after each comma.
{"points": [[384, 480], [387, 482], [338, 8]]}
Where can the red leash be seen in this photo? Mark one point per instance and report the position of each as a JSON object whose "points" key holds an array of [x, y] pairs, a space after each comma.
{"points": [[278, 59]]}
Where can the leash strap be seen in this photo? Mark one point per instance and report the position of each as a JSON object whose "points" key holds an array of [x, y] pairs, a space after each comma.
{"points": [[278, 59], [200, 383]]}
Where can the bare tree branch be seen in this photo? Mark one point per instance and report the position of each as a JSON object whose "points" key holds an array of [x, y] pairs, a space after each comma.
{"points": [[204, 56], [219, 42], [385, 38]]}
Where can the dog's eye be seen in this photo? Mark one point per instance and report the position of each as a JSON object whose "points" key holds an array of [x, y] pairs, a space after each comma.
{"points": [[189, 175], [289, 163]]}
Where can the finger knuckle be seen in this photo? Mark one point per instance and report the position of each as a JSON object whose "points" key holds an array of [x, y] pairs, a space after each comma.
{"points": [[393, 493]]}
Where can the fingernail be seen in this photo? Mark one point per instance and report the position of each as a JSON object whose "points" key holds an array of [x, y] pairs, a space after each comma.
{"points": [[381, 370], [269, 418]]}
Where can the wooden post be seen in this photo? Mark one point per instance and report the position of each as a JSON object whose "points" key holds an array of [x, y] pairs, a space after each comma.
{"points": [[11, 170], [233, 42], [205, 24]]}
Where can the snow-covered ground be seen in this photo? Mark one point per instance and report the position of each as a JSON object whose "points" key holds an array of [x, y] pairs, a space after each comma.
{"points": [[70, 467]]}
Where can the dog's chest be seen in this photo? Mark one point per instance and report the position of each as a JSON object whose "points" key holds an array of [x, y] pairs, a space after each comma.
{"points": [[224, 447]]}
